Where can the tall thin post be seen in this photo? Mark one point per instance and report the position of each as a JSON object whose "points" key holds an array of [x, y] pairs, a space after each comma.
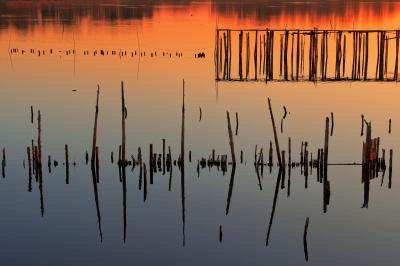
{"points": [[278, 152]]}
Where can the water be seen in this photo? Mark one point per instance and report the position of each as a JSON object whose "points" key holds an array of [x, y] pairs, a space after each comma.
{"points": [[68, 231]]}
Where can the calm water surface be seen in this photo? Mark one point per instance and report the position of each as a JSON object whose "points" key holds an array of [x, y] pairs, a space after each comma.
{"points": [[169, 34]]}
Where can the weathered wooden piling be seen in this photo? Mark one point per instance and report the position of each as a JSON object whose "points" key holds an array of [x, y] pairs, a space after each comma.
{"points": [[94, 140], [240, 54], [390, 126], [123, 118], [237, 124], [231, 143], [318, 54], [278, 152], [255, 55], [362, 125], [31, 114], [290, 153], [326, 146]]}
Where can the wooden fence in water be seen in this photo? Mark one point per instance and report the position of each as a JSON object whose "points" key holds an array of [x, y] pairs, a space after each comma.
{"points": [[306, 55]]}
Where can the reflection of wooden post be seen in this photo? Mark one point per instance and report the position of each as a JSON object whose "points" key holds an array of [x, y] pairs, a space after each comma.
{"points": [[144, 182], [305, 239], [97, 165], [151, 162], [390, 167], [30, 169], [39, 159], [66, 165], [231, 143], [163, 155], [220, 233]]}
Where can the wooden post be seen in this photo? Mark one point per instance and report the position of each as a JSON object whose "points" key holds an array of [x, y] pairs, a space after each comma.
{"points": [[396, 64], [123, 113], [237, 124], [278, 152], [231, 143], [290, 152], [326, 146], [240, 54], [362, 125], [255, 56], [31, 114], [94, 141]]}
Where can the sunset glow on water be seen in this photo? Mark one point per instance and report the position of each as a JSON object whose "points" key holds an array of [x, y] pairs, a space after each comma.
{"points": [[55, 54]]}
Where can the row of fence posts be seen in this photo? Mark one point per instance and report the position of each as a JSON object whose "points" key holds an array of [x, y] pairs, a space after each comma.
{"points": [[318, 54]]}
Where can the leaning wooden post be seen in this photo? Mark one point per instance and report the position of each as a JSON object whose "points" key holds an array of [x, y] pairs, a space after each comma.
{"points": [[278, 152], [231, 144]]}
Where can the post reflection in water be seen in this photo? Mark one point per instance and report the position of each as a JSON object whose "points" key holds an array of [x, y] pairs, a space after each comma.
{"points": [[278, 180]]}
